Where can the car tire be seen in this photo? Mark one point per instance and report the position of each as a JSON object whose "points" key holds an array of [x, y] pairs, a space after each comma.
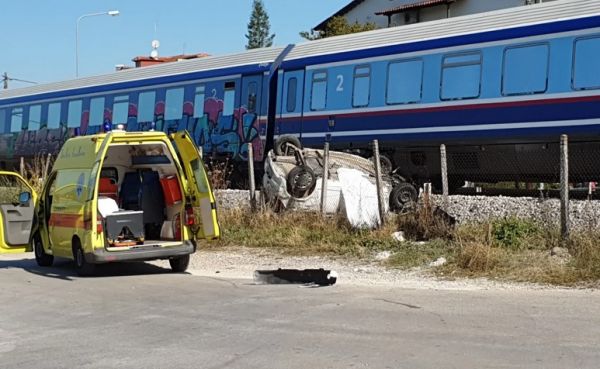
{"points": [[301, 181], [83, 268], [386, 164], [42, 259], [281, 145], [403, 198], [180, 263]]}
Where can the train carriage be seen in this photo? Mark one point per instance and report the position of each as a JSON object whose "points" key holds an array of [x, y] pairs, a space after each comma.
{"points": [[506, 83]]}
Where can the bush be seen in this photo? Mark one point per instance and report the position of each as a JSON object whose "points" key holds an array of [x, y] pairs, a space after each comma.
{"points": [[513, 232]]}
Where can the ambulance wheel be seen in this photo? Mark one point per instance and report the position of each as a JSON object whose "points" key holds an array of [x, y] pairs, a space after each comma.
{"points": [[180, 263], [41, 257], [82, 267]]}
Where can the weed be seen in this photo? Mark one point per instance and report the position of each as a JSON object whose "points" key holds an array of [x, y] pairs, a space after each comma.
{"points": [[512, 232]]}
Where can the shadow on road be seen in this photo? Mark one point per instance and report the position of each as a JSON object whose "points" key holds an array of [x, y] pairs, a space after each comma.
{"points": [[65, 270]]}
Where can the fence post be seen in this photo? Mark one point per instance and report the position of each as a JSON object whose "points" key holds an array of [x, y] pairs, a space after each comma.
{"points": [[378, 182], [564, 187], [22, 167], [444, 164], [251, 177], [325, 177]]}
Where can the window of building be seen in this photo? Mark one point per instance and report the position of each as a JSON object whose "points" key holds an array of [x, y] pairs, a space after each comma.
{"points": [[74, 114], [53, 115], [586, 73], [16, 120], [96, 111], [362, 86], [146, 101], [120, 109], [291, 94], [405, 82], [461, 76], [174, 104], [35, 117], [199, 102], [229, 99], [318, 99], [525, 70]]}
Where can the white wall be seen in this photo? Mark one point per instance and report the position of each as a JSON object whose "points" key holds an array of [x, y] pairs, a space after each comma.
{"points": [[365, 12]]}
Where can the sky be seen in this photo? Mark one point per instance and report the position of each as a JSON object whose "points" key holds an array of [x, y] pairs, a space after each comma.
{"points": [[37, 37]]}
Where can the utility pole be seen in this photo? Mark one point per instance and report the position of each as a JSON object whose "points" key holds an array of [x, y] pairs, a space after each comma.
{"points": [[6, 78]]}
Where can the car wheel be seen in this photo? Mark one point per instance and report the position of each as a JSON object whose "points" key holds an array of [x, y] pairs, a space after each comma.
{"points": [[41, 257], [386, 164], [282, 145], [403, 197], [301, 181], [180, 264], [82, 267]]}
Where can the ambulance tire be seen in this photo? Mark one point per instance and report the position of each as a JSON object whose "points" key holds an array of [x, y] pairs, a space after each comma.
{"points": [[83, 268], [180, 263], [42, 259]]}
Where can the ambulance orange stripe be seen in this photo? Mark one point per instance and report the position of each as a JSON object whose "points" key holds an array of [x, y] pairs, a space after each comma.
{"points": [[66, 221]]}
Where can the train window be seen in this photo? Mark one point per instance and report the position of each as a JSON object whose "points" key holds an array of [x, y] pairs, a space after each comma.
{"points": [[252, 91], [146, 101], [96, 111], [585, 64], [2, 121], [74, 114], [35, 118], [174, 104], [16, 120], [405, 82], [120, 109], [525, 70], [461, 76], [53, 115], [292, 87], [229, 99], [362, 86], [318, 99], [199, 102]]}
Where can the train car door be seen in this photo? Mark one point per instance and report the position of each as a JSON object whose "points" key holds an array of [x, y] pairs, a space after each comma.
{"points": [[250, 114], [291, 101]]}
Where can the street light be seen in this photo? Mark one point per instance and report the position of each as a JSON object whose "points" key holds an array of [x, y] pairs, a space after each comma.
{"points": [[112, 13]]}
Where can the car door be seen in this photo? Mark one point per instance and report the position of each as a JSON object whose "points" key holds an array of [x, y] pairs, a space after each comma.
{"points": [[198, 191], [16, 212]]}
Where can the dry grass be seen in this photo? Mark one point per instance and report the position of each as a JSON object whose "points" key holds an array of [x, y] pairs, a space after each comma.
{"points": [[220, 173], [506, 249]]}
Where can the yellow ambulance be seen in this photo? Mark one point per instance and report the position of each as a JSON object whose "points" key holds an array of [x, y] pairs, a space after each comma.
{"points": [[124, 196]]}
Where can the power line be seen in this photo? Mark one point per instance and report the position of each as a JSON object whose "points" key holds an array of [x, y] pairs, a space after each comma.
{"points": [[6, 78]]}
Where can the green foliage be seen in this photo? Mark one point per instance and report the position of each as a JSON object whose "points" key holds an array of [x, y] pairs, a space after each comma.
{"points": [[513, 232], [259, 28], [338, 26]]}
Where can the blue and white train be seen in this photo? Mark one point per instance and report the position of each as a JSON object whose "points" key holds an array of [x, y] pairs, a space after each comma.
{"points": [[507, 82]]}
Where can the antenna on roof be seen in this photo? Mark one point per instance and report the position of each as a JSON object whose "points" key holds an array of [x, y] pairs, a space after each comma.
{"points": [[155, 46]]}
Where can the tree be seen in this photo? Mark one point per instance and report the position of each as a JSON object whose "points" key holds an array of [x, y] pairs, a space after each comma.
{"points": [[259, 27], [338, 26]]}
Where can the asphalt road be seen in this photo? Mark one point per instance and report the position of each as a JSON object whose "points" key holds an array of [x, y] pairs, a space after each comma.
{"points": [[143, 316]]}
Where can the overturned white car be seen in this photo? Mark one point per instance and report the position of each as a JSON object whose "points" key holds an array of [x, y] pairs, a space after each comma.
{"points": [[294, 180]]}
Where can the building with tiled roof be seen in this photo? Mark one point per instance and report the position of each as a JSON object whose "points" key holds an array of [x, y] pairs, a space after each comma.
{"points": [[391, 13]]}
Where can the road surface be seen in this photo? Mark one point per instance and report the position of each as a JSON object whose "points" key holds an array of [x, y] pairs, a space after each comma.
{"points": [[143, 316]]}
